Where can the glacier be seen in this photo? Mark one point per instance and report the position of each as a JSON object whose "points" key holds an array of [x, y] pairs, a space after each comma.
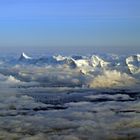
{"points": [[70, 97]]}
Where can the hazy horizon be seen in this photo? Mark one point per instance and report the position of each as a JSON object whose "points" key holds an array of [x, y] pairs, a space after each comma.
{"points": [[70, 26], [69, 51]]}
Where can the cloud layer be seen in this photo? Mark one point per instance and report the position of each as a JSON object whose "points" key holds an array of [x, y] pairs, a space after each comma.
{"points": [[75, 98]]}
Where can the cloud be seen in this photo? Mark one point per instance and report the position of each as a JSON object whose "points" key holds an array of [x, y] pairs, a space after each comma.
{"points": [[24, 87], [113, 79]]}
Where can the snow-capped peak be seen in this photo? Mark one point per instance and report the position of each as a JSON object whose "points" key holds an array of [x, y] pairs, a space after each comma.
{"points": [[59, 58], [97, 61], [24, 56], [133, 63]]}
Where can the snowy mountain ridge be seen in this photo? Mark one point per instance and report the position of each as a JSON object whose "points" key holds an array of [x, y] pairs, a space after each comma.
{"points": [[93, 61], [24, 57], [72, 71]]}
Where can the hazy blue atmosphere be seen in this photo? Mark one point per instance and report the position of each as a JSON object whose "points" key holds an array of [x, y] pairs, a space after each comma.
{"points": [[70, 26]]}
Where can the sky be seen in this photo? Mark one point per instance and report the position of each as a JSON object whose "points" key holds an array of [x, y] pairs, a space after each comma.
{"points": [[70, 26]]}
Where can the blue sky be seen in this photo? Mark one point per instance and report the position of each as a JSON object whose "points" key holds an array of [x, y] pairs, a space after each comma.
{"points": [[70, 26]]}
